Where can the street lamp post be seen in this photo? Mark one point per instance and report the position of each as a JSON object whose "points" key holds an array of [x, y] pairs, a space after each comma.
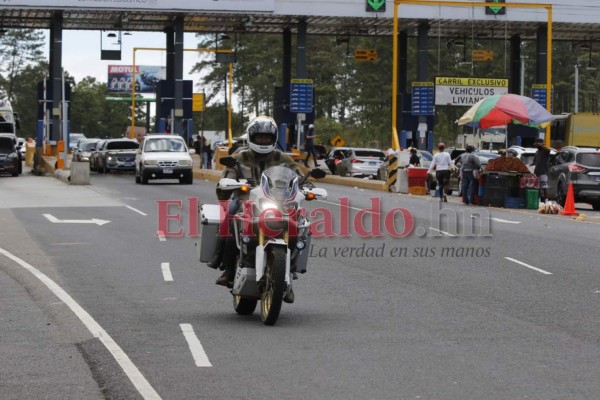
{"points": [[576, 88]]}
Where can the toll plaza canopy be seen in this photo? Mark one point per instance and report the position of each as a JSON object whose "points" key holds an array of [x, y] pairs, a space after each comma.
{"points": [[573, 20]]}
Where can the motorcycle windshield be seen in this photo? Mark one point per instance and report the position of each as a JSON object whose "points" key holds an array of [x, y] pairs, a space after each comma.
{"points": [[279, 184]]}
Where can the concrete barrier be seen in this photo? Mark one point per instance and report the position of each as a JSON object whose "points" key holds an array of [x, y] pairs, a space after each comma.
{"points": [[80, 173]]}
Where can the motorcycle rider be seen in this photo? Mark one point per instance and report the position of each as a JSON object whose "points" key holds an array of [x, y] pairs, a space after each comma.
{"points": [[253, 160]]}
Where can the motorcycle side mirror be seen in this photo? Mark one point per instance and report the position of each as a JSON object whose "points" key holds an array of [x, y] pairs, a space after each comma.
{"points": [[229, 162], [318, 173]]}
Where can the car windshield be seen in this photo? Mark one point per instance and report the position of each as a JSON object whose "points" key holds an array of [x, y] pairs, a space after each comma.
{"points": [[122, 145], [527, 158], [6, 145], [589, 159], [425, 155], [86, 146], [6, 127], [165, 145], [370, 153]]}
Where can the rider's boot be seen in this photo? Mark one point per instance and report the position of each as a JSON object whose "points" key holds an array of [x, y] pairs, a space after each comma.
{"points": [[289, 297]]}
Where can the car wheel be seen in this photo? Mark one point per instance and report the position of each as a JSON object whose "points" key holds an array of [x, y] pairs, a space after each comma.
{"points": [[560, 195], [144, 177]]}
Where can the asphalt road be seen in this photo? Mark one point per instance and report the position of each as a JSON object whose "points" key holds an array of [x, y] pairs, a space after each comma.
{"points": [[484, 304]]}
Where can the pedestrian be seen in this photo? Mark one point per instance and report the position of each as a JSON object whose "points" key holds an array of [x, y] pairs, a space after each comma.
{"points": [[198, 150], [208, 155], [441, 165], [309, 145], [414, 158], [469, 171], [541, 161]]}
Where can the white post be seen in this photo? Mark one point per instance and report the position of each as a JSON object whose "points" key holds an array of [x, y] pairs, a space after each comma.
{"points": [[576, 88], [64, 121]]}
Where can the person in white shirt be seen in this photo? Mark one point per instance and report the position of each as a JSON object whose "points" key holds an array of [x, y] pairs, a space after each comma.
{"points": [[441, 165]]}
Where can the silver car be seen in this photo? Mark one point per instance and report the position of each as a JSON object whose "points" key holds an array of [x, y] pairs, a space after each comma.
{"points": [[360, 162]]}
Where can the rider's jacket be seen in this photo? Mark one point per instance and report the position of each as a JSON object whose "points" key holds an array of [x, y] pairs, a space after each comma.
{"points": [[252, 166]]}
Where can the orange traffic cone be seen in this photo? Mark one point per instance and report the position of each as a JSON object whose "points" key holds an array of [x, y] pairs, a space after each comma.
{"points": [[570, 203]]}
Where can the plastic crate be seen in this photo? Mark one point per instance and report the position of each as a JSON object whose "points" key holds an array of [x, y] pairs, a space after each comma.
{"points": [[532, 199], [514, 202], [417, 190], [493, 181]]}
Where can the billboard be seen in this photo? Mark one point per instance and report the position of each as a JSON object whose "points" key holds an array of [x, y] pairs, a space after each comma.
{"points": [[454, 91], [120, 78], [156, 5]]}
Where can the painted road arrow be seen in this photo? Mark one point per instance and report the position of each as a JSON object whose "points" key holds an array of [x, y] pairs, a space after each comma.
{"points": [[55, 220], [505, 221]]}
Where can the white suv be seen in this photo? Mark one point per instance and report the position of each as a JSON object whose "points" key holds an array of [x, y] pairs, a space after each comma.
{"points": [[163, 157]]}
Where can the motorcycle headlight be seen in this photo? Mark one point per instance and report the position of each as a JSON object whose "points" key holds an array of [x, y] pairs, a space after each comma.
{"points": [[266, 204], [185, 163], [150, 162]]}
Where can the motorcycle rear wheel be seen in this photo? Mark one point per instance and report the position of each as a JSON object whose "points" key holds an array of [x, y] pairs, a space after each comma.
{"points": [[272, 295], [244, 306]]}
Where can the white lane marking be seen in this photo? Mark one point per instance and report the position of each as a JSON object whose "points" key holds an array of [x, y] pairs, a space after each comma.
{"points": [[67, 244], [339, 205], [195, 346], [134, 374], [528, 266], [55, 220], [137, 211], [505, 221], [166, 270], [445, 233], [161, 236]]}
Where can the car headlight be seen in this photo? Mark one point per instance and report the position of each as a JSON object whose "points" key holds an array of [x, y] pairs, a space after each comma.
{"points": [[110, 158], [185, 163], [150, 162]]}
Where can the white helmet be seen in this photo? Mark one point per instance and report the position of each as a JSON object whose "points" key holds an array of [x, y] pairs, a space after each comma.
{"points": [[261, 126]]}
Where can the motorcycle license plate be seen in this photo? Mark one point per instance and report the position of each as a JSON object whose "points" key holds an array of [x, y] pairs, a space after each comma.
{"points": [[167, 170]]}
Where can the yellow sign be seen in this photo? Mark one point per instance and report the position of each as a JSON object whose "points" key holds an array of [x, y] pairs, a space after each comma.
{"points": [[197, 102], [337, 141], [482, 55], [498, 82], [365, 55]]}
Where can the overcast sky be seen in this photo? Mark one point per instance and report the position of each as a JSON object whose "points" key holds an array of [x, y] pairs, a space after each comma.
{"points": [[81, 53]]}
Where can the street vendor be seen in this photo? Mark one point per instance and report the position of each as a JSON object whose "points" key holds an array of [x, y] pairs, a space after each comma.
{"points": [[541, 161]]}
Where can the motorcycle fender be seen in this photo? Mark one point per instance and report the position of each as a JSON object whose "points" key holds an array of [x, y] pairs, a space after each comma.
{"points": [[261, 259]]}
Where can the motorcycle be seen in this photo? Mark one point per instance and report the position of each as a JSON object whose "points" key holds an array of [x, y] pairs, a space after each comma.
{"points": [[271, 233]]}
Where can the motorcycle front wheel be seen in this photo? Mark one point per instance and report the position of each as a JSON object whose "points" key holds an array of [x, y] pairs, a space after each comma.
{"points": [[272, 295], [244, 306]]}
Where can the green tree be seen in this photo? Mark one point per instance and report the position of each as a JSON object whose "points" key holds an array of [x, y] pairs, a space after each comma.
{"points": [[93, 115], [19, 49], [26, 102]]}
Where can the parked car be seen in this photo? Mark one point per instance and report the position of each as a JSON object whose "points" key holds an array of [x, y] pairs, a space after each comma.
{"points": [[163, 157], [96, 154], [579, 166], [117, 154], [403, 159], [74, 139], [84, 149], [15, 140], [360, 162], [334, 156], [10, 161]]}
